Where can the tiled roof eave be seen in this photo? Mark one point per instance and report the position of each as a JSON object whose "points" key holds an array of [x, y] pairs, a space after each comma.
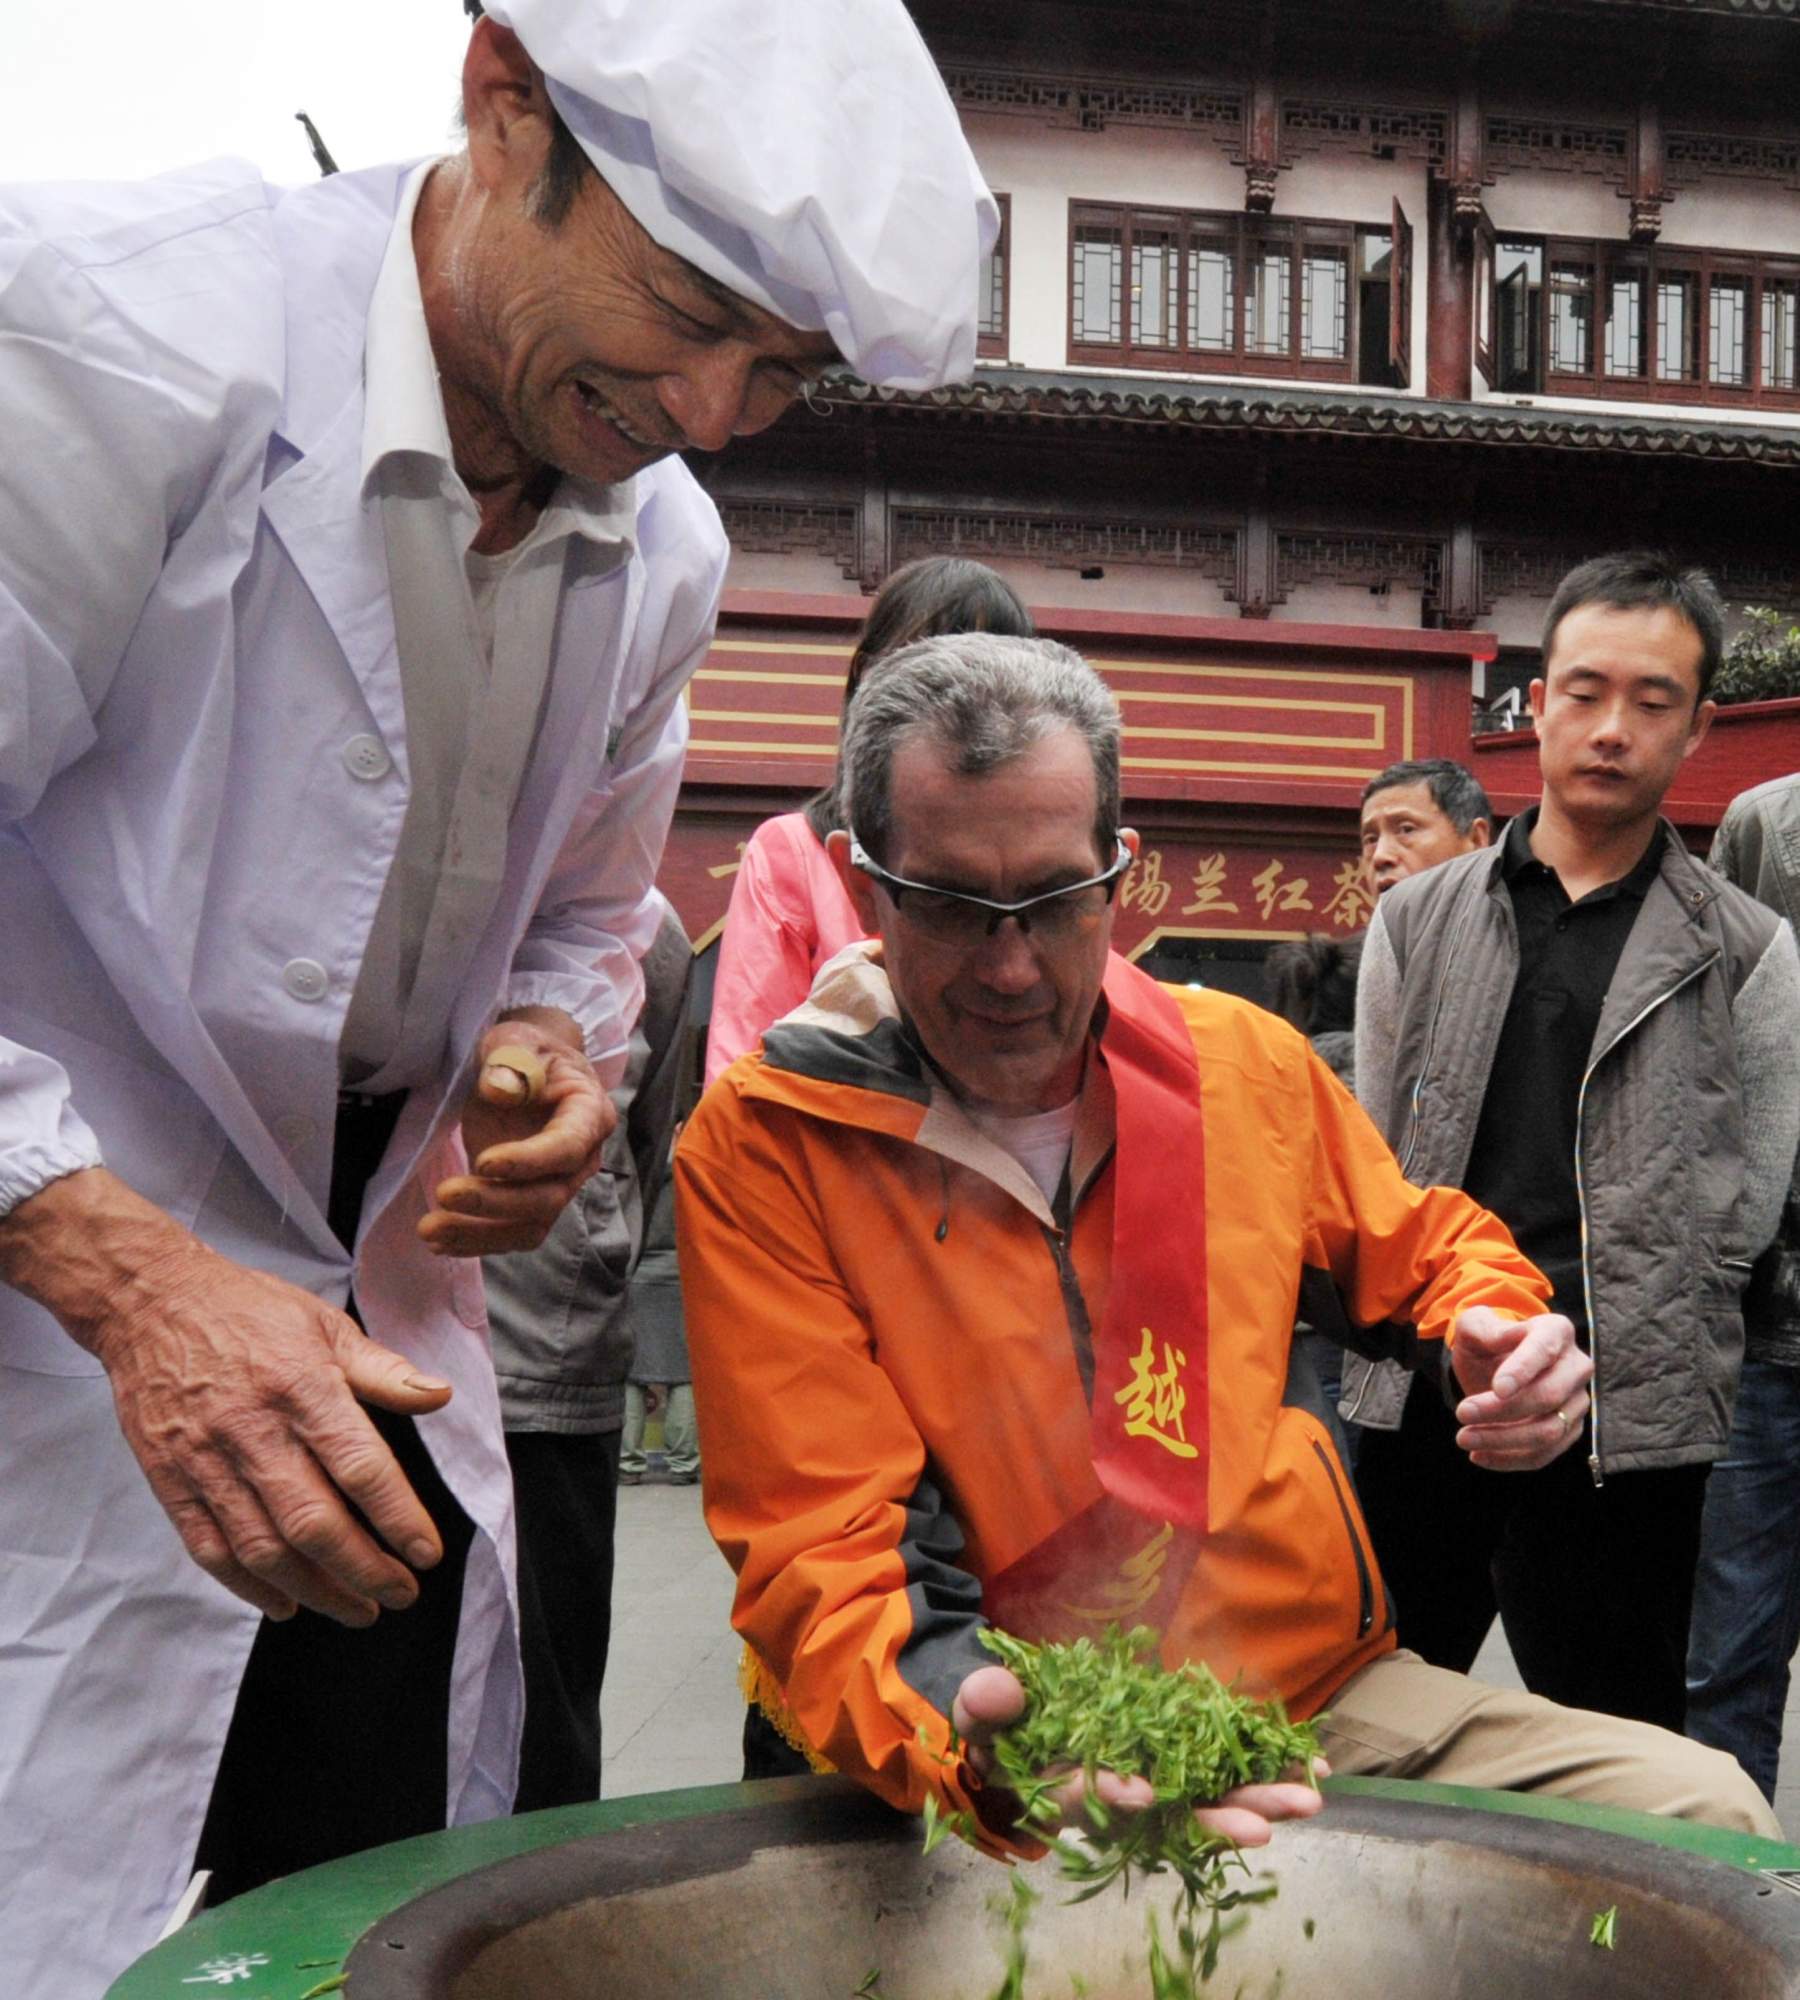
{"points": [[1755, 10], [1105, 404]]}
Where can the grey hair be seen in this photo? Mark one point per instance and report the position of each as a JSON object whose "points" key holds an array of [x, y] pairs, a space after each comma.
{"points": [[984, 700]]}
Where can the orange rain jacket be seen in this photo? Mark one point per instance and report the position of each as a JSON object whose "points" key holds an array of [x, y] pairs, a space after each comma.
{"points": [[890, 1341]]}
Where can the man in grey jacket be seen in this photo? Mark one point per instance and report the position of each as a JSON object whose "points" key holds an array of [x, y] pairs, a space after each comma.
{"points": [[562, 1333], [1747, 1592], [1593, 1035]]}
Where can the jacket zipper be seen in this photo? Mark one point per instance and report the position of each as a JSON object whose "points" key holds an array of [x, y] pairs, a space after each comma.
{"points": [[1365, 1581], [1595, 1472], [1075, 1312]]}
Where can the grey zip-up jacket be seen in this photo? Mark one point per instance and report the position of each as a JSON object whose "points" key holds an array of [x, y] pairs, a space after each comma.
{"points": [[1686, 1129], [559, 1316], [1758, 848]]}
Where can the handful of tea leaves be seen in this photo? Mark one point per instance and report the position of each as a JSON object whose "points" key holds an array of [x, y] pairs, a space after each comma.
{"points": [[1113, 1706]]}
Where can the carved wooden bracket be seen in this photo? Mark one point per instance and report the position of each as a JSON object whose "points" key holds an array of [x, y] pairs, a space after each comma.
{"points": [[1262, 144], [1646, 218], [1259, 189], [1649, 176], [1464, 167]]}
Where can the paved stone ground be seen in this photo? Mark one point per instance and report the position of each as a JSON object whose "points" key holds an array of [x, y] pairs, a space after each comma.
{"points": [[671, 1714]]}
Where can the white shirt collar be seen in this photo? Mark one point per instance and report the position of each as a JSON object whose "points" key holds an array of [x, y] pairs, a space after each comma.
{"points": [[403, 407]]}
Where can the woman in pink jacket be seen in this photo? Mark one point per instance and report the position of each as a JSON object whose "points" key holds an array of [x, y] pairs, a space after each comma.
{"points": [[788, 912]]}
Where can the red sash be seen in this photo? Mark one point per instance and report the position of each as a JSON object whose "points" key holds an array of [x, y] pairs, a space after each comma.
{"points": [[1127, 1555]]}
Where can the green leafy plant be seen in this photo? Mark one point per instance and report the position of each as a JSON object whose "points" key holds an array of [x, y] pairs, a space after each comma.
{"points": [[1604, 1931], [1763, 662], [1112, 1706], [1017, 1910]]}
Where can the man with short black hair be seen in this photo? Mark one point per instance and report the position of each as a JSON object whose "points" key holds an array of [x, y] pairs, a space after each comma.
{"points": [[1593, 1035], [1419, 813]]}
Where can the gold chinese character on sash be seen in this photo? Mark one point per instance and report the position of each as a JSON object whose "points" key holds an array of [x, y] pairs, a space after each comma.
{"points": [[1209, 887], [1144, 887], [1275, 894], [1122, 1597], [1350, 907], [1154, 1402]]}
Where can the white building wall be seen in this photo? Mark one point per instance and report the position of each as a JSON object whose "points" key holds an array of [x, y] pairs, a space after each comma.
{"points": [[818, 576], [1142, 587], [1043, 170], [1396, 609], [1517, 621], [1719, 215]]}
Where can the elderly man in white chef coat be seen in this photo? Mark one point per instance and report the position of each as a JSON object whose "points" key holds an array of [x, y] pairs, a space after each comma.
{"points": [[347, 592]]}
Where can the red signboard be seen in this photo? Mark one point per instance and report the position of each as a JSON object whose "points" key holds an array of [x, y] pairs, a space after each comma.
{"points": [[1246, 747], [1180, 886], [1230, 888], [1214, 709]]}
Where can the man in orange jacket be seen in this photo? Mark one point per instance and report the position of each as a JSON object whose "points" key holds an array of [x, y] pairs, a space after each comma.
{"points": [[992, 1257]]}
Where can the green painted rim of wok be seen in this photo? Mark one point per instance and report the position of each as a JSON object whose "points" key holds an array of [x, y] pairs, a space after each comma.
{"points": [[296, 1934]]}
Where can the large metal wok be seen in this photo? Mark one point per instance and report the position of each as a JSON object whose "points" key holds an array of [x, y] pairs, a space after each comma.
{"points": [[799, 1890]]}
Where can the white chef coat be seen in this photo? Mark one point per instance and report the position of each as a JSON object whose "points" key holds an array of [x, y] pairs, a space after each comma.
{"points": [[474, 634], [203, 772]]}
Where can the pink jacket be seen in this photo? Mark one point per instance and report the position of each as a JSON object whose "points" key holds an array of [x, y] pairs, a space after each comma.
{"points": [[788, 916]]}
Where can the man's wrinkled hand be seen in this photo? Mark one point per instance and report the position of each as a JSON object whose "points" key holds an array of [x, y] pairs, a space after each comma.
{"points": [[991, 1699], [238, 1394], [1526, 1388], [530, 1149]]}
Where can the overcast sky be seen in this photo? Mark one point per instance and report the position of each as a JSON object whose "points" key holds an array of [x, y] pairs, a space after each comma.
{"points": [[120, 88]]}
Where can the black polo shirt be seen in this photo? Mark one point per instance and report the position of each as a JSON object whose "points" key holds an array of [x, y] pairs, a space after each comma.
{"points": [[1523, 1163]]}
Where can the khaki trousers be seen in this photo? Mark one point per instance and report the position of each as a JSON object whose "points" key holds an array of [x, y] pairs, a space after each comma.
{"points": [[1400, 1718]]}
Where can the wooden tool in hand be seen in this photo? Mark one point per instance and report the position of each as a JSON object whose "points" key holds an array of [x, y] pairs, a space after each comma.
{"points": [[513, 1076]]}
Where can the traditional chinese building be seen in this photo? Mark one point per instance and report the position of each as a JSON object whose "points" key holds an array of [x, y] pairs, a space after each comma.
{"points": [[1320, 340]]}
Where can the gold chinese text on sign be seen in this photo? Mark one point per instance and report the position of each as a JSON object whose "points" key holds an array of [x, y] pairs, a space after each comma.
{"points": [[1154, 1402]]}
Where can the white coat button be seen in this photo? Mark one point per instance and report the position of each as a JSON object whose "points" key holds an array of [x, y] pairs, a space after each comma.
{"points": [[366, 757], [294, 1129], [305, 978]]}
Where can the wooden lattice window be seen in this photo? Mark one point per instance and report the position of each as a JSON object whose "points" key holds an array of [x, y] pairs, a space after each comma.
{"points": [[1236, 293], [996, 285], [1659, 324]]}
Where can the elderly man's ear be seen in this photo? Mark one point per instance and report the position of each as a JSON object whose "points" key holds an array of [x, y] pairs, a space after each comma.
{"points": [[506, 107]]}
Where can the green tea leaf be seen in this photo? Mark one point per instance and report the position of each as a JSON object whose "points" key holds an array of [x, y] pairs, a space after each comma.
{"points": [[1112, 1706], [1605, 1928]]}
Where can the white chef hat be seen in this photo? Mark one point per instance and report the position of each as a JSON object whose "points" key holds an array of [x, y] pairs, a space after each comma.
{"points": [[802, 152]]}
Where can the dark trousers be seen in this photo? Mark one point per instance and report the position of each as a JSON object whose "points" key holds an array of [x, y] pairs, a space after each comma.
{"points": [[566, 1491], [1594, 1584], [767, 1753], [339, 1740]]}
